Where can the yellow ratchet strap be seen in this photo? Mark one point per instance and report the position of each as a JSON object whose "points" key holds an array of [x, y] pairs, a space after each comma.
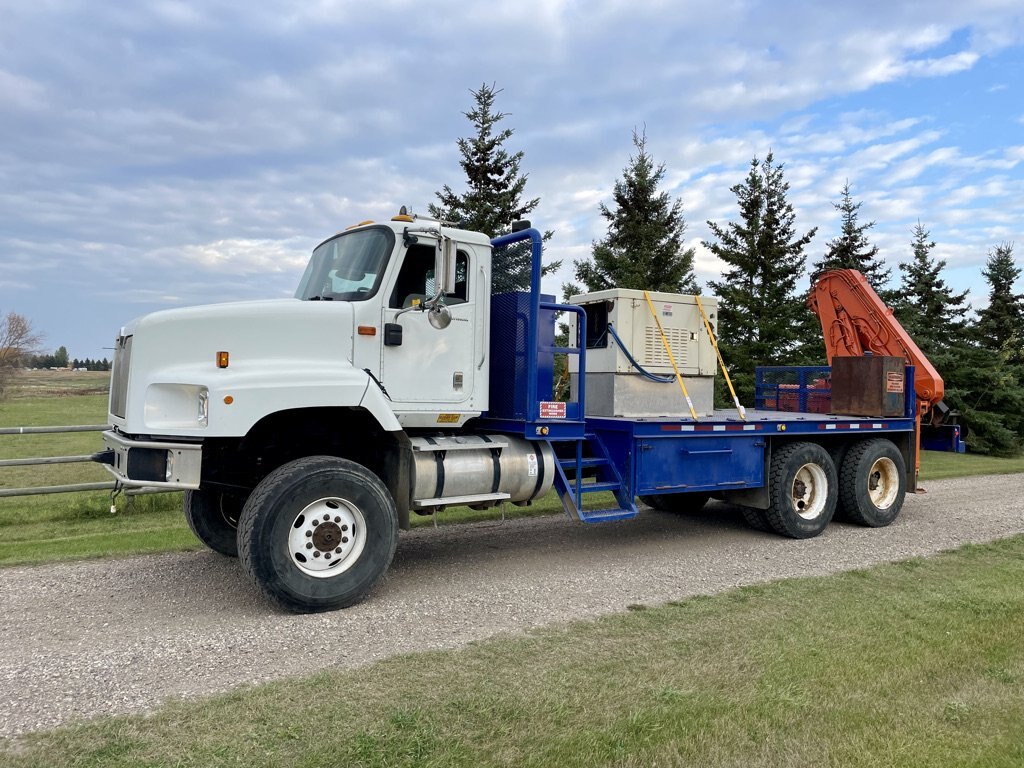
{"points": [[671, 359], [714, 343]]}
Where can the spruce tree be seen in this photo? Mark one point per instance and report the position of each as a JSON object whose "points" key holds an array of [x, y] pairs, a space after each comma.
{"points": [[493, 199], [930, 311], [987, 389], [851, 250], [987, 377], [60, 357], [644, 245], [762, 320], [1001, 323]]}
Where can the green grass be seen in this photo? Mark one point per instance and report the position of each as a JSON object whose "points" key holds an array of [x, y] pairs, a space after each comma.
{"points": [[76, 525], [910, 664], [939, 466], [35, 529], [50, 384]]}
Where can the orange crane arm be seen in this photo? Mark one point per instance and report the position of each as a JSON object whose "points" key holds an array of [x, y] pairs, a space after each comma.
{"points": [[854, 320]]}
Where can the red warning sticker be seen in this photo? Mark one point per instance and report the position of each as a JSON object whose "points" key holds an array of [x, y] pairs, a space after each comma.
{"points": [[552, 410], [894, 382]]}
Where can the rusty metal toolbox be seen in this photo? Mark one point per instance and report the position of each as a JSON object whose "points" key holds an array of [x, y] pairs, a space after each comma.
{"points": [[872, 385]]}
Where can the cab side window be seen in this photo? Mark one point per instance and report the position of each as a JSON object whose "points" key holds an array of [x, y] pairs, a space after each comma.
{"points": [[415, 282]]}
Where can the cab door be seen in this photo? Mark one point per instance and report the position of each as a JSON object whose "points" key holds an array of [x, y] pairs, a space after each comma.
{"points": [[432, 368]]}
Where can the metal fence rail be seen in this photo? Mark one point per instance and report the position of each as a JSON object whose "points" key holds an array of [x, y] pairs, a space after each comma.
{"points": [[50, 460], [46, 430]]}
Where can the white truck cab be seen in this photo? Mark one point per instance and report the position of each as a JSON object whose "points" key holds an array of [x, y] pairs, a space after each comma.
{"points": [[363, 380], [359, 322]]}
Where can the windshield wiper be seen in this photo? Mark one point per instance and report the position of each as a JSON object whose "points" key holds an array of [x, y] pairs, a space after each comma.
{"points": [[321, 298]]}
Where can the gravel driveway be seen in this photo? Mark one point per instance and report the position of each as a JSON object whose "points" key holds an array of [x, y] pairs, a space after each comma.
{"points": [[117, 636]]}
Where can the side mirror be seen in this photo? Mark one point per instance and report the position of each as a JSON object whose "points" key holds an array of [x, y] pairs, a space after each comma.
{"points": [[444, 265], [439, 316]]}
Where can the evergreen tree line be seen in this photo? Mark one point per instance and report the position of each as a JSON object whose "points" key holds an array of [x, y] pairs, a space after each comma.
{"points": [[91, 365], [59, 359], [763, 317]]}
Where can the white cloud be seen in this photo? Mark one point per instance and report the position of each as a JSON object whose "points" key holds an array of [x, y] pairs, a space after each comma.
{"points": [[20, 93], [230, 140], [914, 166], [240, 257], [945, 65]]}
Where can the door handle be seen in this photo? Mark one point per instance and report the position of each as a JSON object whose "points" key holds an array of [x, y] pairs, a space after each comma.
{"points": [[485, 336]]}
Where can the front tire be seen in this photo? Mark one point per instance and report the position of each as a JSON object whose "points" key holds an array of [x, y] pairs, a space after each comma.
{"points": [[873, 483], [802, 490], [318, 533], [213, 518]]}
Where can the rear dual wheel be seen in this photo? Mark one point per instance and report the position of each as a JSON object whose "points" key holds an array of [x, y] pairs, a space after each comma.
{"points": [[802, 490], [679, 503], [756, 518], [872, 483]]}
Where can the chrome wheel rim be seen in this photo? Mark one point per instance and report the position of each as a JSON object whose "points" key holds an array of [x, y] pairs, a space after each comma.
{"points": [[327, 537]]}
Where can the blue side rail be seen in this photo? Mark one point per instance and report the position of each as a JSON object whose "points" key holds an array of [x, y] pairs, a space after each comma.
{"points": [[793, 388], [536, 423]]}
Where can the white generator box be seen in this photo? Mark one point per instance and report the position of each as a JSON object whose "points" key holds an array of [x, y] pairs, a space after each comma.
{"points": [[614, 385]]}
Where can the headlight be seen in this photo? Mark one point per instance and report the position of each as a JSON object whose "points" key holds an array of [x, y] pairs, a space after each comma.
{"points": [[177, 406]]}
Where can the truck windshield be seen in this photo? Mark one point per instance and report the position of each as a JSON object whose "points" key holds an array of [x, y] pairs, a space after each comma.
{"points": [[348, 267]]}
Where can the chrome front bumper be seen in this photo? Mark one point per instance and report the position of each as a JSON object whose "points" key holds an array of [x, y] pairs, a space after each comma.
{"points": [[150, 464]]}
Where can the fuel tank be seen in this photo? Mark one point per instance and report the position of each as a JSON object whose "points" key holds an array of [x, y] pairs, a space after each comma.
{"points": [[479, 470]]}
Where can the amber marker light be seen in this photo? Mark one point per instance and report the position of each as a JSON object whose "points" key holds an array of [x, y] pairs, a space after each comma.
{"points": [[367, 330], [222, 359], [228, 399], [360, 224]]}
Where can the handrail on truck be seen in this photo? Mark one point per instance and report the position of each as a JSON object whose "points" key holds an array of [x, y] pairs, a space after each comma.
{"points": [[536, 305]]}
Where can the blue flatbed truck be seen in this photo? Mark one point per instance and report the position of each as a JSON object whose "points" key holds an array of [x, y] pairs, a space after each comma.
{"points": [[788, 470], [305, 432]]}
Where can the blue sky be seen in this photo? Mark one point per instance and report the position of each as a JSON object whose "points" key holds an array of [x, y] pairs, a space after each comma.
{"points": [[158, 154]]}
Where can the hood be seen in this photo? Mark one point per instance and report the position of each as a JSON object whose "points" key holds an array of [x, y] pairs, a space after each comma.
{"points": [[273, 347], [246, 329]]}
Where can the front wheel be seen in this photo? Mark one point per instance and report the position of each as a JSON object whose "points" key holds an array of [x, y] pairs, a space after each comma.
{"points": [[802, 490], [873, 483], [213, 518], [318, 533]]}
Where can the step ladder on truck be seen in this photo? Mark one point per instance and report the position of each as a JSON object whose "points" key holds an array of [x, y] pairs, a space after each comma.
{"points": [[307, 431]]}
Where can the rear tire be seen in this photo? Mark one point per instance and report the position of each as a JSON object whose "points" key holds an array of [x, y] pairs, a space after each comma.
{"points": [[873, 483], [213, 518], [756, 518], [802, 490], [678, 503], [318, 533], [838, 454]]}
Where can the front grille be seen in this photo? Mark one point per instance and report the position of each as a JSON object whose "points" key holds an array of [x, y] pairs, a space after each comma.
{"points": [[119, 376]]}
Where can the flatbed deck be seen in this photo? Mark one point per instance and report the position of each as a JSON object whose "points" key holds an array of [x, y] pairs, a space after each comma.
{"points": [[722, 452], [765, 421]]}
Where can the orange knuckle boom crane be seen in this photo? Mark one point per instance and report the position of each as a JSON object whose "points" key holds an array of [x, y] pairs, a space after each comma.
{"points": [[856, 322]]}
